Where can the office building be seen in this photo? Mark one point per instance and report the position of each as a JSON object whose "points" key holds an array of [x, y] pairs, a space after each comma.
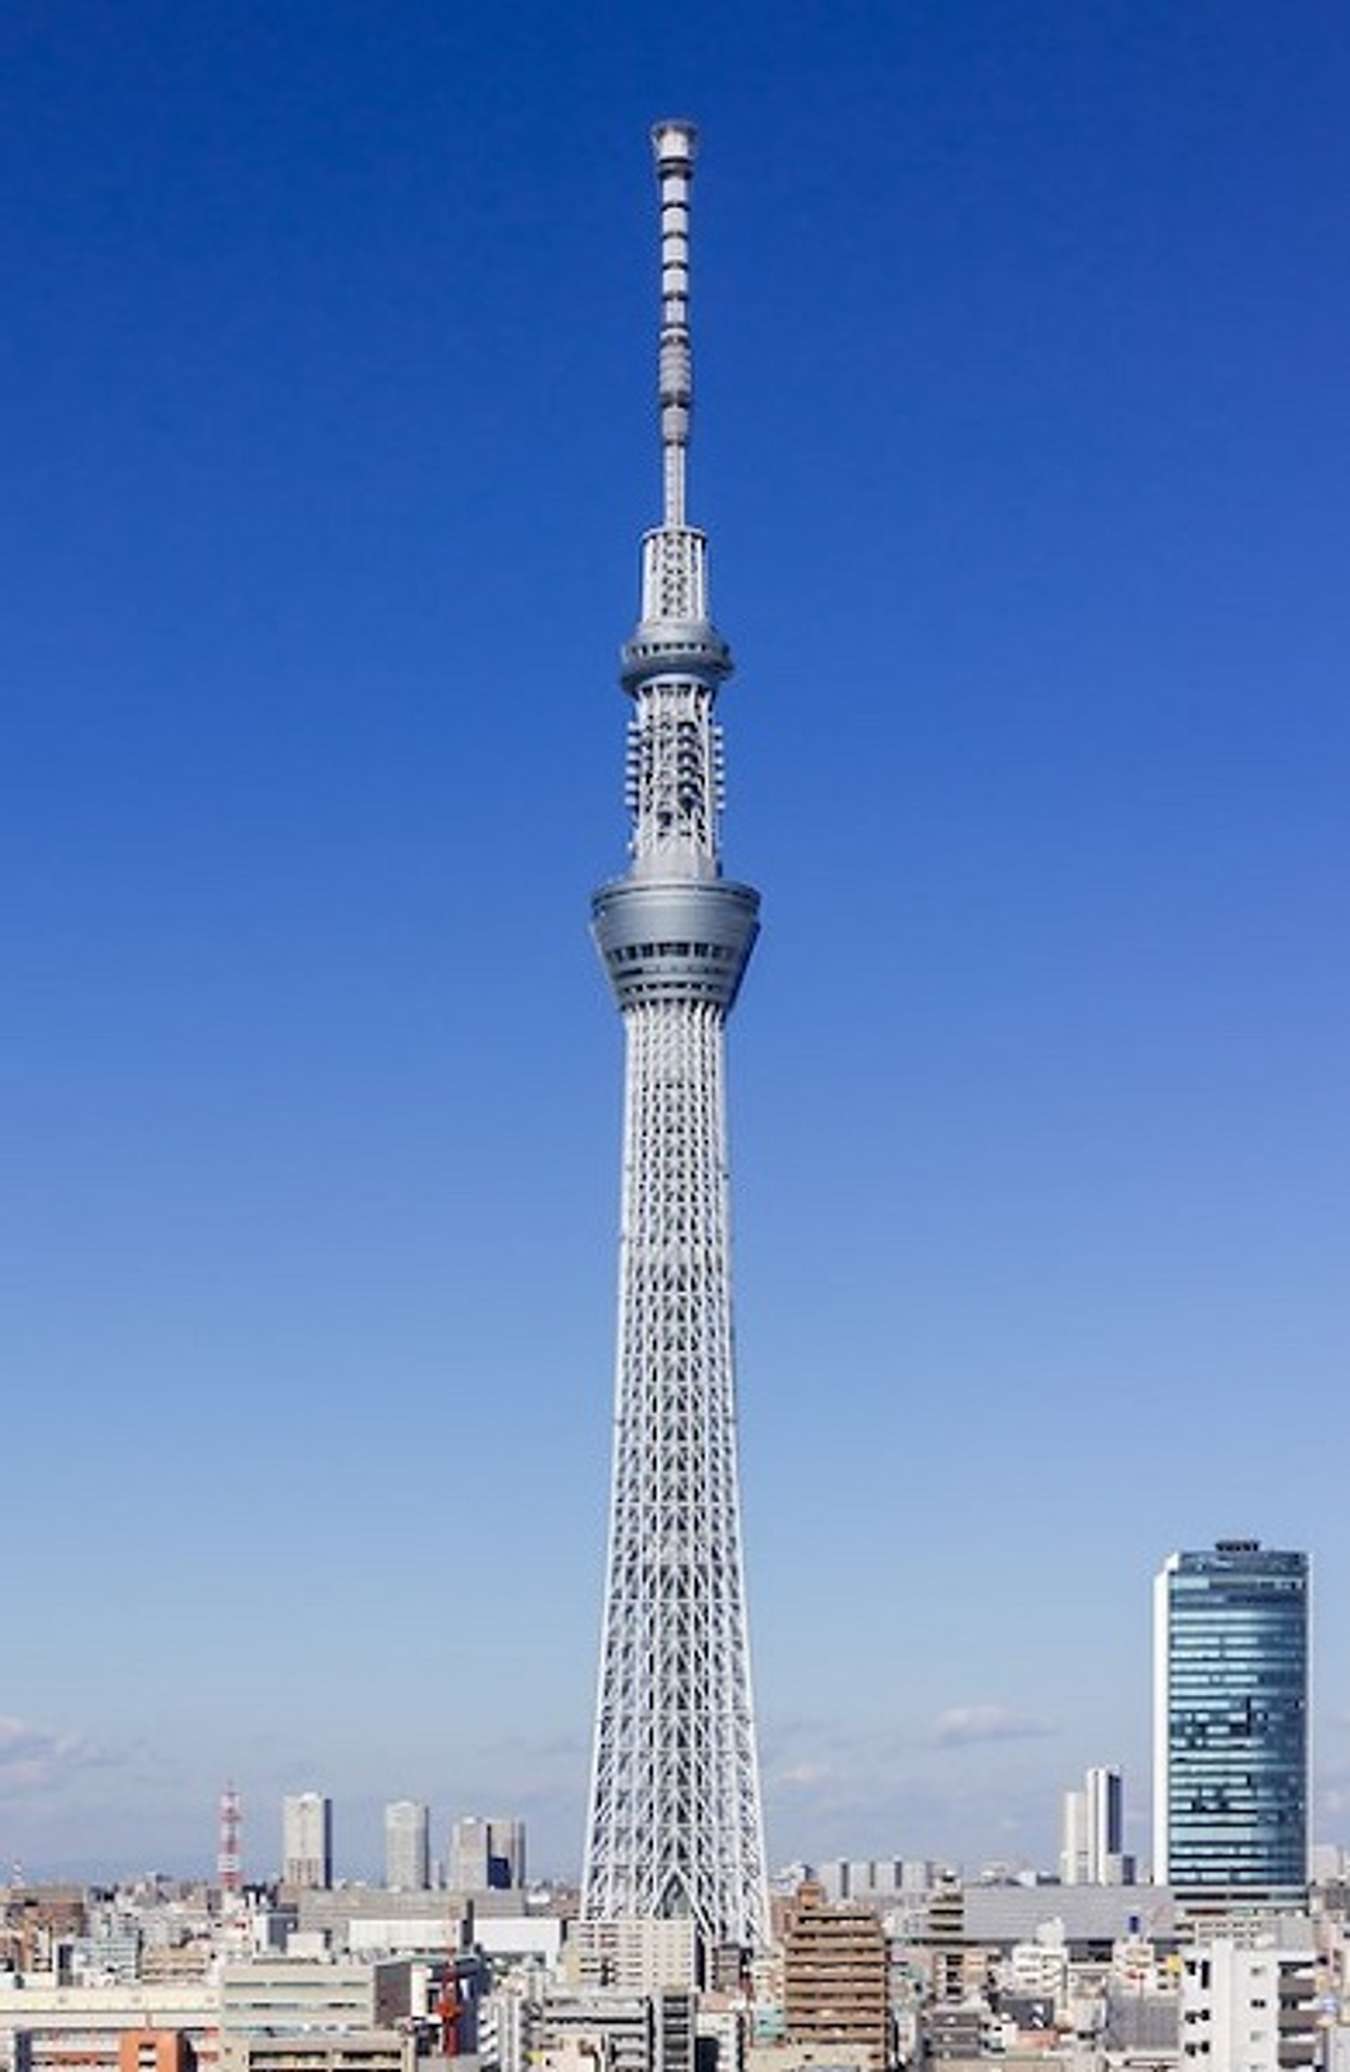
{"points": [[487, 1855], [407, 1854], [836, 1983], [674, 1822], [307, 1840], [1092, 1852], [1230, 1780], [634, 1956]]}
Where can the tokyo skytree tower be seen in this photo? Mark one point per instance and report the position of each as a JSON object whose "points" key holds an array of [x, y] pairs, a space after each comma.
{"points": [[674, 1824]]}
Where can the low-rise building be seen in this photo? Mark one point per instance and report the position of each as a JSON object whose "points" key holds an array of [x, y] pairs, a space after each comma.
{"points": [[278, 1995], [365, 2050], [46, 2027]]}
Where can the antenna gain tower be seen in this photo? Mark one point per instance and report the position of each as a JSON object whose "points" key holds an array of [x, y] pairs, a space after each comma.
{"points": [[674, 1825]]}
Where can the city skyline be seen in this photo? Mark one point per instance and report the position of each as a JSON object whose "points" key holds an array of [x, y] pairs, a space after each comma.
{"points": [[1092, 1824], [327, 388]]}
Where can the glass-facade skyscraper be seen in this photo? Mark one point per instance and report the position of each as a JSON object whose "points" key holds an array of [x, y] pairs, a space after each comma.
{"points": [[1230, 1765]]}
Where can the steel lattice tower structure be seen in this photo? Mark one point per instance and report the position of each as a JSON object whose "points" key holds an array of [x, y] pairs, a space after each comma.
{"points": [[674, 1825]]}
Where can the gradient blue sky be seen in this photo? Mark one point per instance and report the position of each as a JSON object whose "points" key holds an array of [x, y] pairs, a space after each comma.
{"points": [[1022, 336]]}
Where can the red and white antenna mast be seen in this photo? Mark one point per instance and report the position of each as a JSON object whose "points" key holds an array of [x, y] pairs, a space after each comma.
{"points": [[229, 1863]]}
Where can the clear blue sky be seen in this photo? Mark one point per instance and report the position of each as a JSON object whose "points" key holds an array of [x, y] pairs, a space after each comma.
{"points": [[1022, 335]]}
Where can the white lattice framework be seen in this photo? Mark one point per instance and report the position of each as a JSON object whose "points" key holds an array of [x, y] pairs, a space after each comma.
{"points": [[674, 1824]]}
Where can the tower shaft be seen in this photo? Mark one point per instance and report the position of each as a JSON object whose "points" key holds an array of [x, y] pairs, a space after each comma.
{"points": [[674, 1825]]}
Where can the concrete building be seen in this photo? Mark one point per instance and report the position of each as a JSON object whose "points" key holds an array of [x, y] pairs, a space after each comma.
{"points": [[804, 2057], [155, 2050], [634, 1956], [1094, 1916], [64, 2028], [1073, 1839], [487, 1855], [1249, 2009], [836, 1978], [721, 2033], [307, 1840], [336, 1913], [1039, 1969], [1092, 1852], [956, 2033], [1138, 2019], [277, 1995], [1230, 1727], [508, 2017], [407, 1846], [622, 2032], [370, 2050], [519, 1938]]}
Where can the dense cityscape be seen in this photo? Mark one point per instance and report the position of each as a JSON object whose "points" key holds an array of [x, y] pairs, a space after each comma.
{"points": [[1229, 1949], [681, 1947]]}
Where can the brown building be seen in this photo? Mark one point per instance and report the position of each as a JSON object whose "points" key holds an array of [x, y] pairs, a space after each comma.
{"points": [[835, 1985], [155, 2050]]}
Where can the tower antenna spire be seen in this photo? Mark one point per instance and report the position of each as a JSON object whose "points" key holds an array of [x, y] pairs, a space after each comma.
{"points": [[674, 144]]}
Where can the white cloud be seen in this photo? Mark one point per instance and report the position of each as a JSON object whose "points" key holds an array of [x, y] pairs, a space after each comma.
{"points": [[802, 1776], [961, 1725], [32, 1759]]}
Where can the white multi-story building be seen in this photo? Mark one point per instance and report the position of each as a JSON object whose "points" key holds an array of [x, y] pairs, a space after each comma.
{"points": [[1248, 2009], [1091, 1852], [307, 1840], [1039, 1969], [634, 1955], [407, 1854]]}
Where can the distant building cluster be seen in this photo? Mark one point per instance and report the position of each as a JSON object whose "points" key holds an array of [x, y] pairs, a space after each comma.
{"points": [[481, 1856]]}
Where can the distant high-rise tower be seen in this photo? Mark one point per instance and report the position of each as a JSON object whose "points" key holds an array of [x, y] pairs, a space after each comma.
{"points": [[1093, 1830], [674, 1825], [307, 1840], [407, 1854], [487, 1855], [229, 1861], [1230, 1726]]}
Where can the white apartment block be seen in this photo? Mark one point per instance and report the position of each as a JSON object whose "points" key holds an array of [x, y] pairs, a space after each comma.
{"points": [[1248, 2009]]}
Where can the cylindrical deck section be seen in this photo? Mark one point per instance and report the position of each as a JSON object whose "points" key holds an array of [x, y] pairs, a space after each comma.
{"points": [[675, 939]]}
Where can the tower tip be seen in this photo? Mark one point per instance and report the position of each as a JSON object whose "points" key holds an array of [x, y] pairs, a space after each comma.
{"points": [[673, 146], [674, 142]]}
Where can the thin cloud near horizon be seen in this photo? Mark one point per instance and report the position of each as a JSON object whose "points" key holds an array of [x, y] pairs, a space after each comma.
{"points": [[962, 1725]]}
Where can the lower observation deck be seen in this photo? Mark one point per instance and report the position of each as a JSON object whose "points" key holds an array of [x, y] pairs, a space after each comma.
{"points": [[675, 938]]}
